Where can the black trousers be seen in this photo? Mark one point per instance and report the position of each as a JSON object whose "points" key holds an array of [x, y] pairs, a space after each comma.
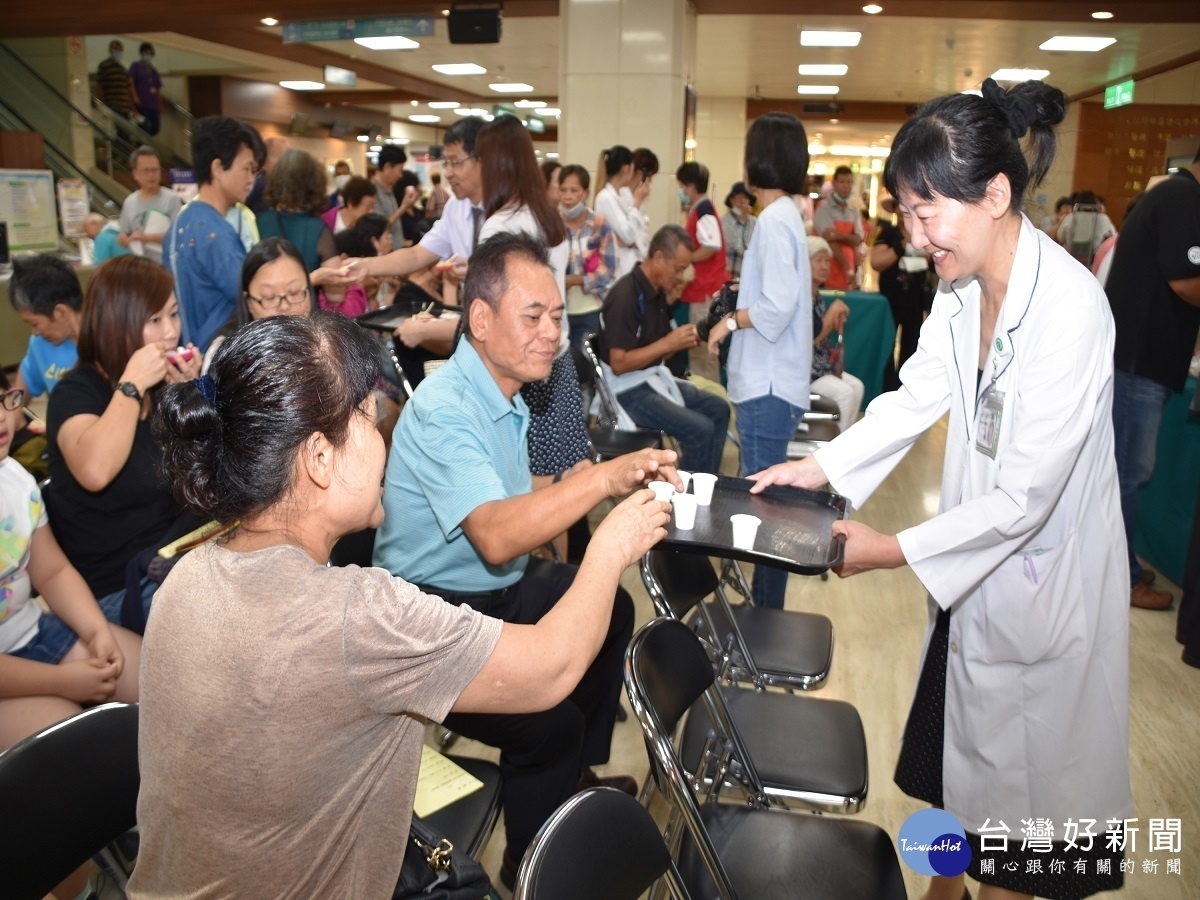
{"points": [[908, 312], [541, 754]]}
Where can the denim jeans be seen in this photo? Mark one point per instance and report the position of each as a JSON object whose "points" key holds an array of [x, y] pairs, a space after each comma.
{"points": [[1137, 412], [700, 425], [765, 425], [581, 326]]}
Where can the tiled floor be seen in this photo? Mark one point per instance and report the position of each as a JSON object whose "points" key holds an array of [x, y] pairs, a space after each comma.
{"points": [[879, 621]]}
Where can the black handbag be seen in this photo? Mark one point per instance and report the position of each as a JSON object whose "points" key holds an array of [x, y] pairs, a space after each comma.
{"points": [[433, 871]]}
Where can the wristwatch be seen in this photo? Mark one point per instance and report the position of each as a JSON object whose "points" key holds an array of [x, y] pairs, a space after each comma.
{"points": [[129, 389], [731, 321]]}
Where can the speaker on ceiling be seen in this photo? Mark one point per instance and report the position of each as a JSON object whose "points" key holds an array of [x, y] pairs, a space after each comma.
{"points": [[475, 24]]}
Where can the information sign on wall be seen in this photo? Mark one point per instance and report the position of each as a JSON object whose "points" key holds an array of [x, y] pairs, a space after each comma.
{"points": [[27, 207]]}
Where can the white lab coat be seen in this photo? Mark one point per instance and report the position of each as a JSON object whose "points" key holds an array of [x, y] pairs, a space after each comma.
{"points": [[1027, 549]]}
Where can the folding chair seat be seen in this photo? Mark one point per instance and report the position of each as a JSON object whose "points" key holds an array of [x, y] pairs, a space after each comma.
{"points": [[768, 647], [469, 821], [599, 845], [737, 851], [822, 409]]}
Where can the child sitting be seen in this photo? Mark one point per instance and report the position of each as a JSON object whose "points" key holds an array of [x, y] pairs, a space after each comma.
{"points": [[348, 299]]}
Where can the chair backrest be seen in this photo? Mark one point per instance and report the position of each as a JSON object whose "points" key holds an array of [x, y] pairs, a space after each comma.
{"points": [[681, 580], [68, 791], [666, 671], [608, 403], [599, 845]]}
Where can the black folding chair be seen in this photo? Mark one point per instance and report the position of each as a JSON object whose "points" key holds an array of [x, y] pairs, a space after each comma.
{"points": [[767, 647], [599, 845], [69, 791], [748, 850], [607, 439]]}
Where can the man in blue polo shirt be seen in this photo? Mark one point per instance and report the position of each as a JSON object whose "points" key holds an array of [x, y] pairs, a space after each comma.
{"points": [[463, 515], [45, 292]]}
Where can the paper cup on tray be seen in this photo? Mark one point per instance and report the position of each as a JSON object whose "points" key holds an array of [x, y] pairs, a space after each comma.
{"points": [[745, 529], [685, 511], [702, 485], [663, 490]]}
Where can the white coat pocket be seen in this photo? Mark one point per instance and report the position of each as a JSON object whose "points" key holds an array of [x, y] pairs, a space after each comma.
{"points": [[1031, 609]]}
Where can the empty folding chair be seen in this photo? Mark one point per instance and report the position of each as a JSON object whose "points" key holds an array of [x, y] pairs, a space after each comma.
{"points": [[599, 845], [747, 850], [822, 409], [793, 751], [768, 647]]}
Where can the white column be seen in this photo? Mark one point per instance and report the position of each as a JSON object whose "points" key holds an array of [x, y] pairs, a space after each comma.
{"points": [[622, 72], [721, 142]]}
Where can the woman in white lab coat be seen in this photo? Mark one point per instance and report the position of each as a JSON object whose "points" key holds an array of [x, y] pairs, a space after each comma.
{"points": [[1021, 710]]}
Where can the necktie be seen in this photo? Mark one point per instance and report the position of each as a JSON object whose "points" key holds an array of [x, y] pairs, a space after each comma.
{"points": [[476, 225]]}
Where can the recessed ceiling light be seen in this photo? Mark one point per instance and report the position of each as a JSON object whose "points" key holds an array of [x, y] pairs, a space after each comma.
{"points": [[397, 140], [1102, 15], [443, 104], [551, 155], [268, 21], [823, 69], [872, 9], [1020, 74], [830, 38], [690, 143], [816, 149], [1077, 43], [302, 85], [424, 118], [530, 104], [375, 148], [460, 69], [462, 111], [511, 87], [548, 112], [362, 139], [815, 89], [392, 42]]}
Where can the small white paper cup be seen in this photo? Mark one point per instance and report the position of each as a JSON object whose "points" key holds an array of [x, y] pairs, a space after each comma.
{"points": [[745, 528], [663, 490], [702, 485], [684, 478], [685, 511]]}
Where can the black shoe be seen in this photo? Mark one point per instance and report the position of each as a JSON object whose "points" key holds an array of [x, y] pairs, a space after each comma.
{"points": [[624, 783]]}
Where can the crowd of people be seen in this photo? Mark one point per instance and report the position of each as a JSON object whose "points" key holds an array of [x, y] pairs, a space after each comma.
{"points": [[204, 377]]}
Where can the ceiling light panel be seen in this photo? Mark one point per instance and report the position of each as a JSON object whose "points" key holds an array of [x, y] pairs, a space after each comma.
{"points": [[511, 87], [1077, 43], [392, 42], [830, 38], [814, 90], [823, 69], [424, 119], [302, 85], [1020, 74], [443, 104], [530, 104], [460, 69]]}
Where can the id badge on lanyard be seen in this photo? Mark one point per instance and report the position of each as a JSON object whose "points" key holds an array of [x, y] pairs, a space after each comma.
{"points": [[987, 421]]}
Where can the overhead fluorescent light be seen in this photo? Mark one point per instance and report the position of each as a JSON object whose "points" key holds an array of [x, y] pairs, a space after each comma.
{"points": [[1102, 15], [397, 140], [1020, 74], [391, 42], [830, 38], [816, 149], [375, 148], [269, 22], [460, 69], [462, 111], [823, 69], [424, 119], [814, 90], [363, 138], [1077, 43], [302, 85], [443, 104], [548, 112], [511, 87], [551, 155], [872, 9], [530, 104]]}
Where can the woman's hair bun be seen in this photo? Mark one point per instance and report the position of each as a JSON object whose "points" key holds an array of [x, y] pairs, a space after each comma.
{"points": [[189, 427]]}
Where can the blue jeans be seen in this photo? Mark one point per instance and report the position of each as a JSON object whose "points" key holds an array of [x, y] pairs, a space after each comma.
{"points": [[581, 326], [55, 637], [765, 425], [700, 425], [1137, 412]]}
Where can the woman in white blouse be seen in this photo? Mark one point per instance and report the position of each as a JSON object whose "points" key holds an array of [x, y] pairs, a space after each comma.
{"points": [[621, 189]]}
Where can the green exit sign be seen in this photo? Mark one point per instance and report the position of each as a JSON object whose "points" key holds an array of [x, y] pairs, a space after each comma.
{"points": [[1118, 94]]}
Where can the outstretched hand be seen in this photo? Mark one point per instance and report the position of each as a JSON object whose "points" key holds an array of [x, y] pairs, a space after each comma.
{"points": [[633, 527], [805, 473]]}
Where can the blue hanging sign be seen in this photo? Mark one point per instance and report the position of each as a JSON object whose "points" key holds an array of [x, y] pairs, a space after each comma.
{"points": [[348, 29]]}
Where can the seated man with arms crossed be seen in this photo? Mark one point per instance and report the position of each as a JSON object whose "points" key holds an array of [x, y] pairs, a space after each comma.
{"points": [[636, 340], [462, 517]]}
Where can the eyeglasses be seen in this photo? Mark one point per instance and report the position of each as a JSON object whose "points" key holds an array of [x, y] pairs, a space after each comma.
{"points": [[291, 298], [457, 163], [13, 399]]}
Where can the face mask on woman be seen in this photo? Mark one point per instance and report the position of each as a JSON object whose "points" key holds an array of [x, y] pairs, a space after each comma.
{"points": [[684, 198], [340, 181], [573, 212]]}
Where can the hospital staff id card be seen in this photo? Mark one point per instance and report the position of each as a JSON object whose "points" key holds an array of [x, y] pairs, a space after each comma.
{"points": [[987, 425]]}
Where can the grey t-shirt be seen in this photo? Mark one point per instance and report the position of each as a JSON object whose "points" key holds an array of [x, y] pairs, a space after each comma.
{"points": [[136, 211], [283, 706]]}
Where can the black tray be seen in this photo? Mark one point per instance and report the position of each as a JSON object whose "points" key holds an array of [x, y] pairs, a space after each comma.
{"points": [[796, 533], [389, 317]]}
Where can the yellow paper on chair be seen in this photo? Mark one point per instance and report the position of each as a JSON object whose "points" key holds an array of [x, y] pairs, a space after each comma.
{"points": [[441, 782]]}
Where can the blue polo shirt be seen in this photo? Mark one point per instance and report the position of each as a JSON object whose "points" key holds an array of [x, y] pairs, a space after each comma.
{"points": [[45, 363], [459, 443]]}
